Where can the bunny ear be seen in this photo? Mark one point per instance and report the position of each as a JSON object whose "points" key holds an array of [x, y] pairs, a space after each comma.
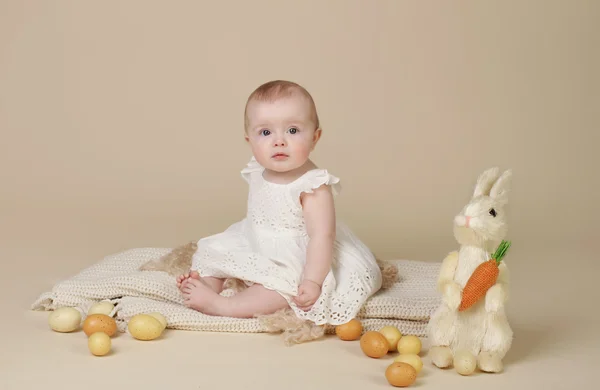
{"points": [[501, 187], [485, 181]]}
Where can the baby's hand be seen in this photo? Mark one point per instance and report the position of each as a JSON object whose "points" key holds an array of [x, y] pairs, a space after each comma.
{"points": [[308, 293]]}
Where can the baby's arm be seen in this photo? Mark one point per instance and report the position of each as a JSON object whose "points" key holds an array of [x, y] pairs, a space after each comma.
{"points": [[319, 215]]}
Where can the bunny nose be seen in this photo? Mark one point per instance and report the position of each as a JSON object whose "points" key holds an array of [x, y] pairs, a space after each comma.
{"points": [[461, 220]]}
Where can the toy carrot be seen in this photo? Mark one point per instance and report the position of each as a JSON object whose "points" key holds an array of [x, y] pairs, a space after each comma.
{"points": [[483, 278]]}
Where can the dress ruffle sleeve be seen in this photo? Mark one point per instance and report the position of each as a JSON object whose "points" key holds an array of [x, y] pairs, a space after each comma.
{"points": [[315, 179], [252, 167]]}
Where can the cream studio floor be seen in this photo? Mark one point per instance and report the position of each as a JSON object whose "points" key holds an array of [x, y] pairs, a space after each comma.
{"points": [[556, 342]]}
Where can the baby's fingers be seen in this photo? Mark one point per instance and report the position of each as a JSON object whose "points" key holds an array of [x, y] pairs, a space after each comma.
{"points": [[300, 300], [306, 307]]}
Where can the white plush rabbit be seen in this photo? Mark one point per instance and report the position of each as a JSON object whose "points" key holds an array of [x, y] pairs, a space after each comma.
{"points": [[483, 329]]}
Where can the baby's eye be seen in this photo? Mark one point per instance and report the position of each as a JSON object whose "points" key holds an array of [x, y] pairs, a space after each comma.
{"points": [[265, 132], [293, 130]]}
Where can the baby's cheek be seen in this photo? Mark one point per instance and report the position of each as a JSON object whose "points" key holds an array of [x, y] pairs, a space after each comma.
{"points": [[302, 149]]}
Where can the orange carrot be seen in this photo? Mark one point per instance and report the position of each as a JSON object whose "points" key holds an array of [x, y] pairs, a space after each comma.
{"points": [[483, 278]]}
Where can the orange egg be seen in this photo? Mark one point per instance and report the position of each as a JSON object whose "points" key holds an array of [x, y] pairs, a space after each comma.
{"points": [[374, 344], [400, 374], [351, 330], [99, 323]]}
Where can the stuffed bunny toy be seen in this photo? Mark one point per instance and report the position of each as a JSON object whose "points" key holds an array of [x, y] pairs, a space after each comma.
{"points": [[483, 329]]}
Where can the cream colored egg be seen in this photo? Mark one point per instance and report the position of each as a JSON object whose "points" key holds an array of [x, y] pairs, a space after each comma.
{"points": [[464, 362], [160, 318], [99, 343], [412, 359], [393, 335], [144, 327], [64, 319], [409, 345], [103, 307]]}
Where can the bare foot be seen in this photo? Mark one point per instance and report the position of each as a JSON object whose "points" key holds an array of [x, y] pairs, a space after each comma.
{"points": [[199, 296], [182, 279]]}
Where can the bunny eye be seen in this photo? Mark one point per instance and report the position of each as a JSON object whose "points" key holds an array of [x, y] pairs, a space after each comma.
{"points": [[493, 212]]}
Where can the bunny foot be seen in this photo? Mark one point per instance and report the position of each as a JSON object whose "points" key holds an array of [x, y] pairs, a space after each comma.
{"points": [[441, 356], [489, 362]]}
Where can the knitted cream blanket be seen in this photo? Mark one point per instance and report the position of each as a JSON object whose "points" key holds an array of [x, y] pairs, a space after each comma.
{"points": [[407, 305]]}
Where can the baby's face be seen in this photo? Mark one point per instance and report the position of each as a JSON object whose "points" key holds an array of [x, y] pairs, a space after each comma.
{"points": [[282, 133]]}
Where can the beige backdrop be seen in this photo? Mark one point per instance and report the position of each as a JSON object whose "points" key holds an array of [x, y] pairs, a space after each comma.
{"points": [[121, 127], [122, 123]]}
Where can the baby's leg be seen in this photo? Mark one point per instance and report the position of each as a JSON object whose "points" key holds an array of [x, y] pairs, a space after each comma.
{"points": [[255, 300], [215, 284]]}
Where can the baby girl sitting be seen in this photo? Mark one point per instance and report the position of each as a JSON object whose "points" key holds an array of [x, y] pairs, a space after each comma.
{"points": [[290, 249]]}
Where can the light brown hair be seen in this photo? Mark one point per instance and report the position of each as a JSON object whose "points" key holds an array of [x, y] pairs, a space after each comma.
{"points": [[278, 89]]}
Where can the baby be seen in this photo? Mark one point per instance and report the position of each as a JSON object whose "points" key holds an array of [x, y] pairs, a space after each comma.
{"points": [[290, 249]]}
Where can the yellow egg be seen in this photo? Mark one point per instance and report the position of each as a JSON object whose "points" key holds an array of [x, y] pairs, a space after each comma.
{"points": [[144, 327], [412, 359], [409, 345], [99, 343], [393, 335], [103, 307], [64, 319], [464, 362], [160, 318]]}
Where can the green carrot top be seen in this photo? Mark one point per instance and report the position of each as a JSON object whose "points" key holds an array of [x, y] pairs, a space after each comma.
{"points": [[501, 251]]}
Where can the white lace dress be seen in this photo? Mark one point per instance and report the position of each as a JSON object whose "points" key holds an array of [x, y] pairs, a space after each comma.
{"points": [[268, 247]]}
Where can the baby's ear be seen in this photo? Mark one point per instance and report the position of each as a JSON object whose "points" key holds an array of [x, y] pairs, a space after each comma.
{"points": [[501, 187], [317, 135], [485, 182]]}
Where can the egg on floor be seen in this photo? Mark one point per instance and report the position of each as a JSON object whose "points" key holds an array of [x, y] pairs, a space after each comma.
{"points": [[400, 374], [409, 345], [103, 307], [144, 327], [412, 359], [99, 343], [465, 362], [99, 323], [351, 330], [64, 319], [374, 344]]}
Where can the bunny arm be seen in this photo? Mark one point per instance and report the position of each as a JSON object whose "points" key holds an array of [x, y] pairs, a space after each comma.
{"points": [[497, 295], [450, 290], [447, 270]]}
